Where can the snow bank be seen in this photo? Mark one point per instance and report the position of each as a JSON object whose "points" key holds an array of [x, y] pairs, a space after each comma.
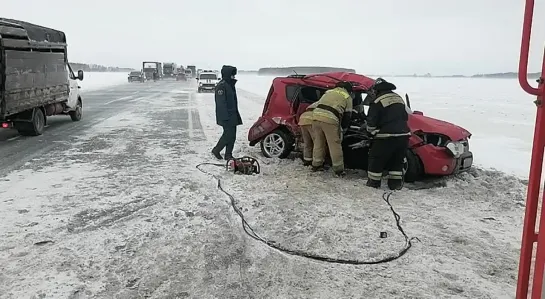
{"points": [[496, 111], [99, 80]]}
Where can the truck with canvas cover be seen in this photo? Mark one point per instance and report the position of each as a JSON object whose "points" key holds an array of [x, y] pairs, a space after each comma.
{"points": [[36, 79], [193, 70], [170, 69], [150, 67], [160, 70]]}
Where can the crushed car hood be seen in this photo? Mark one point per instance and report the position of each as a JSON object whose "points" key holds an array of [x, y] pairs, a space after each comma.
{"points": [[431, 125]]}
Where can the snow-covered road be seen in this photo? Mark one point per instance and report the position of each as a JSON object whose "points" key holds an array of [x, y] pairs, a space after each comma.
{"points": [[113, 207]]}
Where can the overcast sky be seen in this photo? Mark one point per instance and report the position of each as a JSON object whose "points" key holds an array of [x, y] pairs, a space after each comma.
{"points": [[374, 37]]}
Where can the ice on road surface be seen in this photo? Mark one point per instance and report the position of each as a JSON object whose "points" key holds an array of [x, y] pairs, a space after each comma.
{"points": [[113, 207]]}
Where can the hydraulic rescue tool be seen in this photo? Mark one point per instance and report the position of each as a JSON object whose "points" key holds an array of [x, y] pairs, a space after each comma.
{"points": [[244, 165]]}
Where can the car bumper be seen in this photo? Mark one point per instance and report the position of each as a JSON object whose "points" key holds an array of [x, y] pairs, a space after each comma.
{"points": [[438, 161], [211, 88]]}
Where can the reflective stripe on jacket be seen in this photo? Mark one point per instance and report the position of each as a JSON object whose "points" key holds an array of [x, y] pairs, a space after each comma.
{"points": [[334, 100], [306, 117]]}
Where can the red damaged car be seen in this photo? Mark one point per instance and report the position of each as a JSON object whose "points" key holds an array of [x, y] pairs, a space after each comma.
{"points": [[436, 147]]}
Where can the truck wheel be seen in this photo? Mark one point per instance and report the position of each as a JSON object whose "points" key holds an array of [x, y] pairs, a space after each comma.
{"points": [[199, 90], [34, 128], [277, 144], [77, 113], [412, 167]]}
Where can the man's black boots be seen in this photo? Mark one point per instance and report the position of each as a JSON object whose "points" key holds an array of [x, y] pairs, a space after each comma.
{"points": [[216, 154]]}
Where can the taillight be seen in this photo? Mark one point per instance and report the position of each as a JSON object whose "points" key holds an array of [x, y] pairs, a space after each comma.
{"points": [[5, 125]]}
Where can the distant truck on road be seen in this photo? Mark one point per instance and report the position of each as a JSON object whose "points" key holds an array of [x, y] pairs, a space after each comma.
{"points": [[170, 69], [36, 79], [193, 70], [150, 67]]}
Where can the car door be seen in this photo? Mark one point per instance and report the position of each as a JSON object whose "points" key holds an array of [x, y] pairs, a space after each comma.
{"points": [[292, 95], [74, 88]]}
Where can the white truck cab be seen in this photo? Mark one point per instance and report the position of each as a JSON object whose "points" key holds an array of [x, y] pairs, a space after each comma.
{"points": [[208, 81], [73, 104]]}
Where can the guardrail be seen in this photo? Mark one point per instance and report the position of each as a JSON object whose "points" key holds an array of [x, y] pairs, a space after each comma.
{"points": [[529, 235]]}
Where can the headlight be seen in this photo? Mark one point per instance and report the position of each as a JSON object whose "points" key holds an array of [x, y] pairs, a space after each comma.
{"points": [[200, 83], [455, 148]]}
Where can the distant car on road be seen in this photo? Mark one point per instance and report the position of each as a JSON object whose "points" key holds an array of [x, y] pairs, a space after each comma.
{"points": [[207, 81], [181, 76], [136, 76]]}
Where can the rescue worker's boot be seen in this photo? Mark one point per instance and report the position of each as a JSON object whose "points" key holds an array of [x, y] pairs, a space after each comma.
{"points": [[317, 168], [307, 163], [340, 173], [395, 184], [373, 183]]}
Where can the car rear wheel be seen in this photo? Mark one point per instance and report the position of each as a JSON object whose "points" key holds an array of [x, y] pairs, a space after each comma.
{"points": [[277, 144], [412, 167]]}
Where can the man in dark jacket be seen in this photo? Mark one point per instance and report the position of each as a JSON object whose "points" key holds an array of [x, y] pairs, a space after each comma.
{"points": [[227, 115], [387, 123]]}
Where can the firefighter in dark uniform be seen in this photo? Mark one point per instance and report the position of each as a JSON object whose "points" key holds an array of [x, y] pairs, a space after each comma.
{"points": [[387, 122], [227, 114]]}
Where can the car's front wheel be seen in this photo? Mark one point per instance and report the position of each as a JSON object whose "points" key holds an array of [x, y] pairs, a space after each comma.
{"points": [[277, 144], [412, 167]]}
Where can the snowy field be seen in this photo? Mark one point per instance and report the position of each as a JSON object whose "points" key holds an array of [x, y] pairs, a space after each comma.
{"points": [[119, 211]]}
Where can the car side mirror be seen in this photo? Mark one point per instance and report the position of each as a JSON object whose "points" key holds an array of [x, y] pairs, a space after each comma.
{"points": [[80, 75], [197, 79], [219, 79]]}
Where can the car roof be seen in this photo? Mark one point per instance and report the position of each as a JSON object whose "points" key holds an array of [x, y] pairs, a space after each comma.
{"points": [[328, 80]]}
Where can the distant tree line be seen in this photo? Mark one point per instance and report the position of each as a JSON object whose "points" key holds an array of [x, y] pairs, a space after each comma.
{"points": [[97, 68], [505, 75], [301, 70], [247, 72]]}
